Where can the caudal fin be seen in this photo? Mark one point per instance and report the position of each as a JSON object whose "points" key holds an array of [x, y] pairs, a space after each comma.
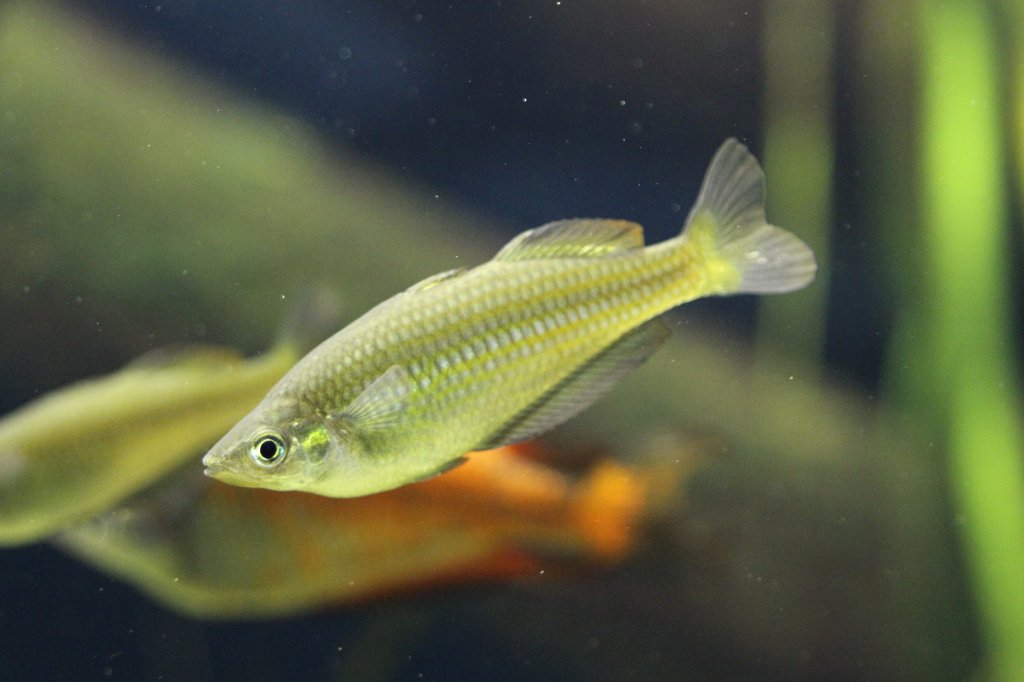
{"points": [[607, 508], [730, 209]]}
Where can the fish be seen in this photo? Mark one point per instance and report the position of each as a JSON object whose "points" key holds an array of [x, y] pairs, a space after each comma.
{"points": [[216, 551], [472, 359], [82, 448]]}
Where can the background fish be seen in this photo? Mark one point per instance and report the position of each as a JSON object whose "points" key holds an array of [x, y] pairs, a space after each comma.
{"points": [[468, 360], [217, 551], [78, 450]]}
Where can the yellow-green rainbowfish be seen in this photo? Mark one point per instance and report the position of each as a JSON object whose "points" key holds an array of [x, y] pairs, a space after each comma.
{"points": [[472, 359]]}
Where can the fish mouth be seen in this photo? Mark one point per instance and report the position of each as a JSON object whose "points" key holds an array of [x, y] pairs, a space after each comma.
{"points": [[211, 465], [215, 467], [230, 477], [218, 469]]}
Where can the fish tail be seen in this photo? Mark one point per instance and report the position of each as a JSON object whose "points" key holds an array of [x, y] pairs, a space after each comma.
{"points": [[607, 508], [727, 226]]}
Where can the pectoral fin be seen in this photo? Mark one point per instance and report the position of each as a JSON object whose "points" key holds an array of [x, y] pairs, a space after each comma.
{"points": [[381, 404], [583, 387]]}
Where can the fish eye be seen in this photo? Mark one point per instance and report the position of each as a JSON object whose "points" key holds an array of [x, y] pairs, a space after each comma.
{"points": [[268, 450]]}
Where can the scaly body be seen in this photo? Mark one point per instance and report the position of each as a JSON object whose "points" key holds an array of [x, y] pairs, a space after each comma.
{"points": [[473, 359], [482, 345]]}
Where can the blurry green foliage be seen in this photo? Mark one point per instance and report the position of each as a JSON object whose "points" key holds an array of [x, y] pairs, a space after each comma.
{"points": [[973, 387]]}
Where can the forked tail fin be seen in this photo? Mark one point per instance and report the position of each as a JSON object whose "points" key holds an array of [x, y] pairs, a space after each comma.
{"points": [[728, 218], [609, 505]]}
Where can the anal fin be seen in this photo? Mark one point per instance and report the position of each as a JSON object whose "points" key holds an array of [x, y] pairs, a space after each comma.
{"points": [[584, 386]]}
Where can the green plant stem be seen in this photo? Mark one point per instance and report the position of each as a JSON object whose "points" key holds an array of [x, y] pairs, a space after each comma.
{"points": [[971, 349]]}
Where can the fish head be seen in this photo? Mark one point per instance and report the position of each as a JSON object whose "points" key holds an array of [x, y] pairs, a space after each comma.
{"points": [[273, 449]]}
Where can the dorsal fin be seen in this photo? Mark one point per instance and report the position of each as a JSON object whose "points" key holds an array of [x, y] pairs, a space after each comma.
{"points": [[315, 315], [578, 238], [434, 280], [583, 387], [186, 355]]}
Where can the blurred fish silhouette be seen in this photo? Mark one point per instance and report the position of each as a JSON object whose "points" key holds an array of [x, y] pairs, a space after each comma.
{"points": [[217, 551], [81, 449]]}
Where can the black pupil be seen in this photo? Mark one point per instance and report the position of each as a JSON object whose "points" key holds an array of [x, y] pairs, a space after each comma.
{"points": [[269, 449]]}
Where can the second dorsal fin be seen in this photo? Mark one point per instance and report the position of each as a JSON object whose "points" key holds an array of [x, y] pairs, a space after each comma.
{"points": [[578, 238]]}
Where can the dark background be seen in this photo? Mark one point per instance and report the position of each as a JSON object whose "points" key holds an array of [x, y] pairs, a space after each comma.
{"points": [[527, 111]]}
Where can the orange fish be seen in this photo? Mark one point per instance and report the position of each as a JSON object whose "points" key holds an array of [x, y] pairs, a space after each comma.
{"points": [[218, 551]]}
